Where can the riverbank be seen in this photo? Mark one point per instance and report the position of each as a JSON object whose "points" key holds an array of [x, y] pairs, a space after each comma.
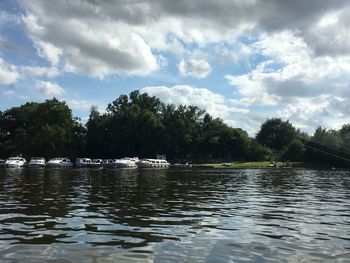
{"points": [[256, 165]]}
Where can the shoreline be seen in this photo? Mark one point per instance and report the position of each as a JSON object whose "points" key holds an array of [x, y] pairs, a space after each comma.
{"points": [[262, 165]]}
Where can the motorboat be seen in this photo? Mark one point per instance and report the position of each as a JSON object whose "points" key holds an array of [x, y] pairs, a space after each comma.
{"points": [[132, 159], [59, 163], [37, 162], [152, 163], [15, 162], [109, 163], [83, 162], [96, 163], [126, 162]]}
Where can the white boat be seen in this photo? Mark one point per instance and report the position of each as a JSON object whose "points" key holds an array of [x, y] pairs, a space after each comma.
{"points": [[15, 162], [96, 163], [83, 162], [109, 163], [59, 163], [133, 159], [152, 163], [126, 162], [37, 162]]}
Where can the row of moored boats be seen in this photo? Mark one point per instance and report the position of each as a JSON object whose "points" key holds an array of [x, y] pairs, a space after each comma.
{"points": [[127, 162]]}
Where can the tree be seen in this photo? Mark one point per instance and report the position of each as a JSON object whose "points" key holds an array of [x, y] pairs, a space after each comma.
{"points": [[131, 126], [345, 137], [182, 133], [222, 141], [258, 152], [276, 134], [96, 134], [6, 147], [46, 129], [143, 126], [294, 151], [328, 138]]}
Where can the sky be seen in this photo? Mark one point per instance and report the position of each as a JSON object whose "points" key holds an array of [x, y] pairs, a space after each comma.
{"points": [[243, 61]]}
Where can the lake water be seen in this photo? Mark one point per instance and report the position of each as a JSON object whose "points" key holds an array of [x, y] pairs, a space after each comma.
{"points": [[174, 216]]}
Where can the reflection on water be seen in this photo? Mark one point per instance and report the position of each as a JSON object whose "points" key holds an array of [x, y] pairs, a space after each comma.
{"points": [[174, 216]]}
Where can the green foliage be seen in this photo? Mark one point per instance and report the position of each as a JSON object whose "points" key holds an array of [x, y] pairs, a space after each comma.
{"points": [[131, 126], [344, 133], [6, 146], [294, 151], [134, 125], [182, 133], [330, 146], [276, 134], [141, 125], [258, 152], [302, 136], [40, 129], [328, 138]]}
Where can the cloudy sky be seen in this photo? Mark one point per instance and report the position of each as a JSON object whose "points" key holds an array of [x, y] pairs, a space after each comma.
{"points": [[241, 60]]}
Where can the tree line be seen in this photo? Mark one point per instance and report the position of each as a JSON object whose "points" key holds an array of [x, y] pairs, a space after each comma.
{"points": [[141, 125]]}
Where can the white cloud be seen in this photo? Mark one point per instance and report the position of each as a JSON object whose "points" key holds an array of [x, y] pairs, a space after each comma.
{"points": [[237, 53], [8, 73], [6, 18], [30, 71], [187, 95], [194, 68], [80, 105], [96, 47], [329, 35], [163, 25], [215, 104], [100, 38], [325, 110], [14, 94], [49, 88], [293, 54], [302, 84]]}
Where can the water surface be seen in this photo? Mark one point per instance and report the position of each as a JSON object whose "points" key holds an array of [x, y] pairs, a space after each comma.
{"points": [[174, 216]]}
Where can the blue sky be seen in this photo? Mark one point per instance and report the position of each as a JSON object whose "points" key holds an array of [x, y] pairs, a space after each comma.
{"points": [[242, 61]]}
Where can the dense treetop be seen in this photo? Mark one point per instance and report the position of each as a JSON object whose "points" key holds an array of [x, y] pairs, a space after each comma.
{"points": [[141, 125]]}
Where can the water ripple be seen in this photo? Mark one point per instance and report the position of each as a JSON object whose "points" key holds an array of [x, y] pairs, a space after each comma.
{"points": [[174, 216]]}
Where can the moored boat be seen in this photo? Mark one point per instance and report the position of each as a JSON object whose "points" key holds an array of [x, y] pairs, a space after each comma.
{"points": [[152, 163], [82, 162], [15, 162], [109, 164], [59, 163], [126, 162], [37, 162], [96, 163]]}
